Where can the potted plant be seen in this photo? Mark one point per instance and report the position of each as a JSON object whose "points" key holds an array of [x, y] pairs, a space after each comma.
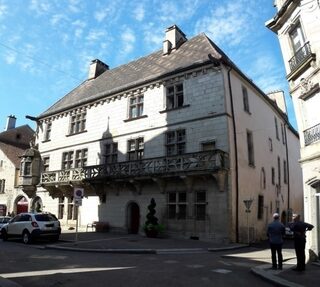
{"points": [[151, 227]]}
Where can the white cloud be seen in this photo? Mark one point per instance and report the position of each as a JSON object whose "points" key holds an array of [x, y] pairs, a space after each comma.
{"points": [[57, 18], [174, 12], [153, 36], [230, 25], [128, 39], [100, 15], [109, 11], [10, 57], [74, 6], [96, 34], [79, 27], [139, 12], [3, 9], [40, 6]]}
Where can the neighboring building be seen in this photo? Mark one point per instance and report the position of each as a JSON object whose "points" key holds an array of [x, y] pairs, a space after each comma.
{"points": [[13, 142], [297, 24], [182, 125]]}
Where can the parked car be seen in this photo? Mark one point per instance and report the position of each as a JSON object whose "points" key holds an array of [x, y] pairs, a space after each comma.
{"points": [[4, 220], [30, 226]]}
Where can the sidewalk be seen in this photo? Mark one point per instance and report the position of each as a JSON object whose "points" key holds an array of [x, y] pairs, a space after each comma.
{"points": [[133, 243]]}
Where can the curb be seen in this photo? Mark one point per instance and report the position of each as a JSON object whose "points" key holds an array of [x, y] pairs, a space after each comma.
{"points": [[146, 251], [277, 281], [109, 250]]}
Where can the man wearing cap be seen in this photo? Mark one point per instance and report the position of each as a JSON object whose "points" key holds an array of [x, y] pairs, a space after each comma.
{"points": [[299, 229], [275, 233]]}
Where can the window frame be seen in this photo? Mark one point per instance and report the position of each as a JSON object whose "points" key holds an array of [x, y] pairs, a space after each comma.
{"points": [[77, 123], [137, 106], [135, 149], [250, 148], [67, 161], [202, 216], [47, 133], [175, 142], [245, 99], [110, 154], [260, 212], [46, 163], [175, 96], [297, 27], [177, 204]]}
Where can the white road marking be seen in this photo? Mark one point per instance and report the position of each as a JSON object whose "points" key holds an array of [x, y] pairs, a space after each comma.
{"points": [[223, 271], [56, 271]]}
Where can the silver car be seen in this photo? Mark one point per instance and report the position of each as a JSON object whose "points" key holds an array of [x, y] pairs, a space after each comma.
{"points": [[30, 226]]}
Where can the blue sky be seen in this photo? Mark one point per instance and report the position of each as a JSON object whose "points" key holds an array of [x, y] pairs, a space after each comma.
{"points": [[46, 46]]}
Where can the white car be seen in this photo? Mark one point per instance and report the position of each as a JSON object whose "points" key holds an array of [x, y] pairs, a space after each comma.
{"points": [[30, 226]]}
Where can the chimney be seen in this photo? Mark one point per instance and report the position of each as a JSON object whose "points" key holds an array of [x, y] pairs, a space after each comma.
{"points": [[11, 122], [173, 40], [279, 99], [96, 69]]}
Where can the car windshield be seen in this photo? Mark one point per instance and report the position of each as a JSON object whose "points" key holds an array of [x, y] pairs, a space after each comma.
{"points": [[4, 219], [45, 217]]}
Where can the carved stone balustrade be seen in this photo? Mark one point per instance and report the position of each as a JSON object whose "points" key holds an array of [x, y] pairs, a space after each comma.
{"points": [[198, 163]]}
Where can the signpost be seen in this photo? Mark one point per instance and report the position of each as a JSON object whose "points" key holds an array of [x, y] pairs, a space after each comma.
{"points": [[77, 199], [248, 203]]}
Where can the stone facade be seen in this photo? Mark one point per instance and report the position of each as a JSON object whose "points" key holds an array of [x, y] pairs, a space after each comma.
{"points": [[297, 24], [199, 138]]}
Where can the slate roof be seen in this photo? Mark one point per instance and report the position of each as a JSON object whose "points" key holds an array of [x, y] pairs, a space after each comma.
{"points": [[15, 141], [13, 153], [143, 70]]}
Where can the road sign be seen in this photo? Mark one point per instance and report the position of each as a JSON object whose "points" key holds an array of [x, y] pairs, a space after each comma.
{"points": [[78, 192], [248, 203], [78, 201]]}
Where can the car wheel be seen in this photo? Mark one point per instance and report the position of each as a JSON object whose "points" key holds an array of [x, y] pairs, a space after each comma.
{"points": [[26, 237], [4, 235]]}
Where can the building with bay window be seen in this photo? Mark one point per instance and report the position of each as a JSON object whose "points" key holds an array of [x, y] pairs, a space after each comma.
{"points": [[182, 125]]}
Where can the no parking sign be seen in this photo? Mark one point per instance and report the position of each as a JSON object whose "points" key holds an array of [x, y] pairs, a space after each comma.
{"points": [[78, 195]]}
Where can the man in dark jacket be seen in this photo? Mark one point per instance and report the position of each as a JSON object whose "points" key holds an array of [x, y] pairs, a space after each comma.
{"points": [[276, 231], [299, 229]]}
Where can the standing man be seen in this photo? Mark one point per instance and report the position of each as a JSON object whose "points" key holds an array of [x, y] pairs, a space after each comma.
{"points": [[299, 229], [276, 231]]}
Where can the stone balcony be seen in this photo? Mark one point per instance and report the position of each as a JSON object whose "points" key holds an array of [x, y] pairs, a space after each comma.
{"points": [[312, 135], [199, 163]]}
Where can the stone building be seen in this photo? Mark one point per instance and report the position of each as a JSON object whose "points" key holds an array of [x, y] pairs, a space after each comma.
{"points": [[13, 142], [297, 25], [182, 125]]}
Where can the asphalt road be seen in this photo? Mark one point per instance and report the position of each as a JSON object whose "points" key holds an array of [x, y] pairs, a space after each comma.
{"points": [[33, 265]]}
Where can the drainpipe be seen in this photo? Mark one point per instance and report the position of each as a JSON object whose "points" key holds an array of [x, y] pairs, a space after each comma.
{"points": [[236, 155]]}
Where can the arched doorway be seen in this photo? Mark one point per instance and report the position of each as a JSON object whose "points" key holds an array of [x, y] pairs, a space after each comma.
{"points": [[133, 217], [37, 205], [22, 205]]}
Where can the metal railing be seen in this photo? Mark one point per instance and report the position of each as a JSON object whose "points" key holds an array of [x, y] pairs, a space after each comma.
{"points": [[312, 135], [208, 161], [300, 56]]}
